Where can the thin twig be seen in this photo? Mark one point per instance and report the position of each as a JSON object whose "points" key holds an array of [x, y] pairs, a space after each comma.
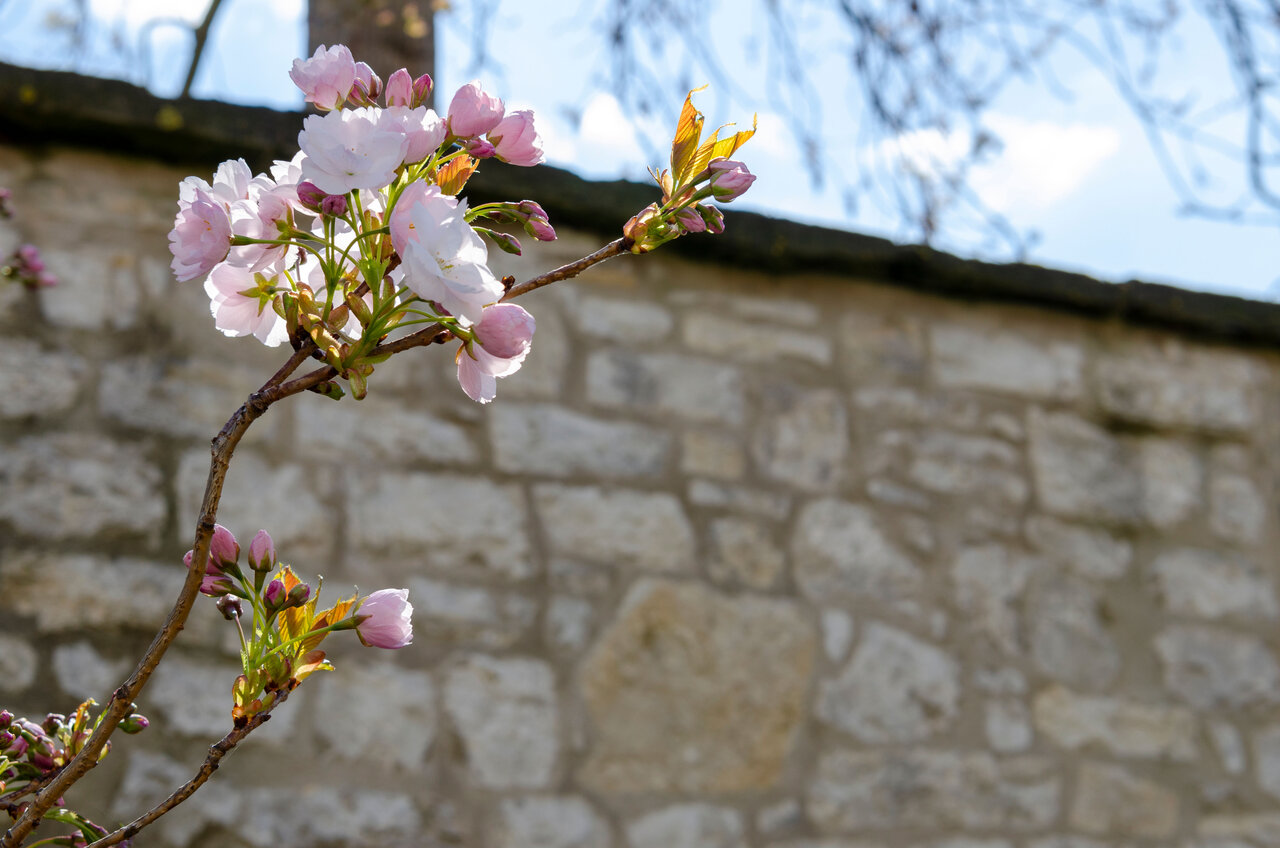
{"points": [[186, 790], [202, 37], [573, 269]]}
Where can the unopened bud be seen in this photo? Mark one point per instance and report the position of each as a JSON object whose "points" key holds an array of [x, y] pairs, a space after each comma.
{"points": [[6, 719], [274, 595], [229, 606], [298, 595], [262, 552], [480, 148], [52, 722], [399, 91], [713, 218], [334, 205], [134, 723], [421, 90], [310, 195]]}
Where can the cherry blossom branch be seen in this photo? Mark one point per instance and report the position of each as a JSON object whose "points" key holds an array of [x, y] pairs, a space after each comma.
{"points": [[186, 790], [223, 445]]}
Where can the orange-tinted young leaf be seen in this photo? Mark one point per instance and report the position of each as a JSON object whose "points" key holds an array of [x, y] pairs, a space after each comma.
{"points": [[454, 175], [312, 662], [330, 616], [688, 134], [716, 147]]}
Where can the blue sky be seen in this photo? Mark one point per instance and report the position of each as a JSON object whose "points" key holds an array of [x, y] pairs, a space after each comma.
{"points": [[1077, 170]]}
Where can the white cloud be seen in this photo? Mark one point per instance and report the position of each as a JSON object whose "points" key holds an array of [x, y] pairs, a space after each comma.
{"points": [[1042, 162]]}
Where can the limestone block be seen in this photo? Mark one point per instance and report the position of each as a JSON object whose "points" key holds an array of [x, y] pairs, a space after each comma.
{"points": [[1174, 384], [750, 341], [874, 344], [801, 438], [1084, 472], [1005, 361], [569, 624], [632, 530], [191, 397], [549, 822], [795, 311], [98, 287], [1086, 551], [551, 441], [769, 503], [840, 553], [441, 521], [1266, 759], [1227, 744], [37, 382], [837, 633], [899, 405], [376, 712], [896, 688], [18, 665], [989, 580], [1008, 725], [82, 672], [66, 592], [1069, 641], [543, 374], [283, 498], [744, 553], [79, 486], [506, 714], [633, 322], [1110, 801], [783, 816], [1237, 508], [956, 464], [1212, 585], [381, 429], [1240, 829], [451, 614], [1214, 669], [667, 385], [689, 690], [941, 790], [712, 453], [1124, 728], [687, 826]]}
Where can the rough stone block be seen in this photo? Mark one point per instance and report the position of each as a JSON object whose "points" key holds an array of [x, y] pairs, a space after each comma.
{"points": [[1008, 725], [1112, 802], [712, 453], [66, 592], [18, 664], [874, 343], [973, 466], [634, 322], [381, 429], [744, 553], [1069, 640], [1214, 669], [441, 521], [1123, 728], [97, 288], [750, 341], [376, 712], [989, 581], [191, 397], [505, 712], [801, 438], [937, 790], [895, 689], [666, 385], [689, 690], [700, 825], [767, 503], [640, 530], [1005, 361], [1086, 551], [839, 552], [450, 614], [82, 672], [1227, 744], [549, 822], [554, 442], [193, 698], [1238, 509], [37, 382], [1172, 384], [79, 486], [1213, 585]]}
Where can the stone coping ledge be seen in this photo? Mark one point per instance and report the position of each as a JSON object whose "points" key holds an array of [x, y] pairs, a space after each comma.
{"points": [[44, 107]]}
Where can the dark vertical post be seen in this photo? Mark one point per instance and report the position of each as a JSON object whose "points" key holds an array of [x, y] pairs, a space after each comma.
{"points": [[385, 34]]}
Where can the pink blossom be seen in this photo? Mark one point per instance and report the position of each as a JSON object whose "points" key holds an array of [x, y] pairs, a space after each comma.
{"points": [[241, 301], [504, 336], [444, 259], [350, 149], [399, 91], [516, 141], [266, 216], [729, 179], [223, 547], [367, 85], [201, 235], [421, 90], [690, 221], [274, 595], [473, 112], [385, 619], [326, 78], [262, 552], [422, 128]]}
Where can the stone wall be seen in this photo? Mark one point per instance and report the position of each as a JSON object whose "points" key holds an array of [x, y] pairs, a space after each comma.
{"points": [[740, 558]]}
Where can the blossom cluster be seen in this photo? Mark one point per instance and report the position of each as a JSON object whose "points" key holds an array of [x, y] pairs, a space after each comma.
{"points": [[362, 231], [26, 267], [279, 647]]}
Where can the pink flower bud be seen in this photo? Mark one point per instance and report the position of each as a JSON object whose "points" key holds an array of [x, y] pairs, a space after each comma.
{"points": [[298, 595], [311, 195], [274, 595], [690, 221], [506, 330], [516, 141], [134, 723], [334, 205], [713, 218], [229, 606], [480, 148], [399, 91], [421, 90], [224, 550], [472, 112], [729, 179], [262, 552], [385, 619], [367, 86]]}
